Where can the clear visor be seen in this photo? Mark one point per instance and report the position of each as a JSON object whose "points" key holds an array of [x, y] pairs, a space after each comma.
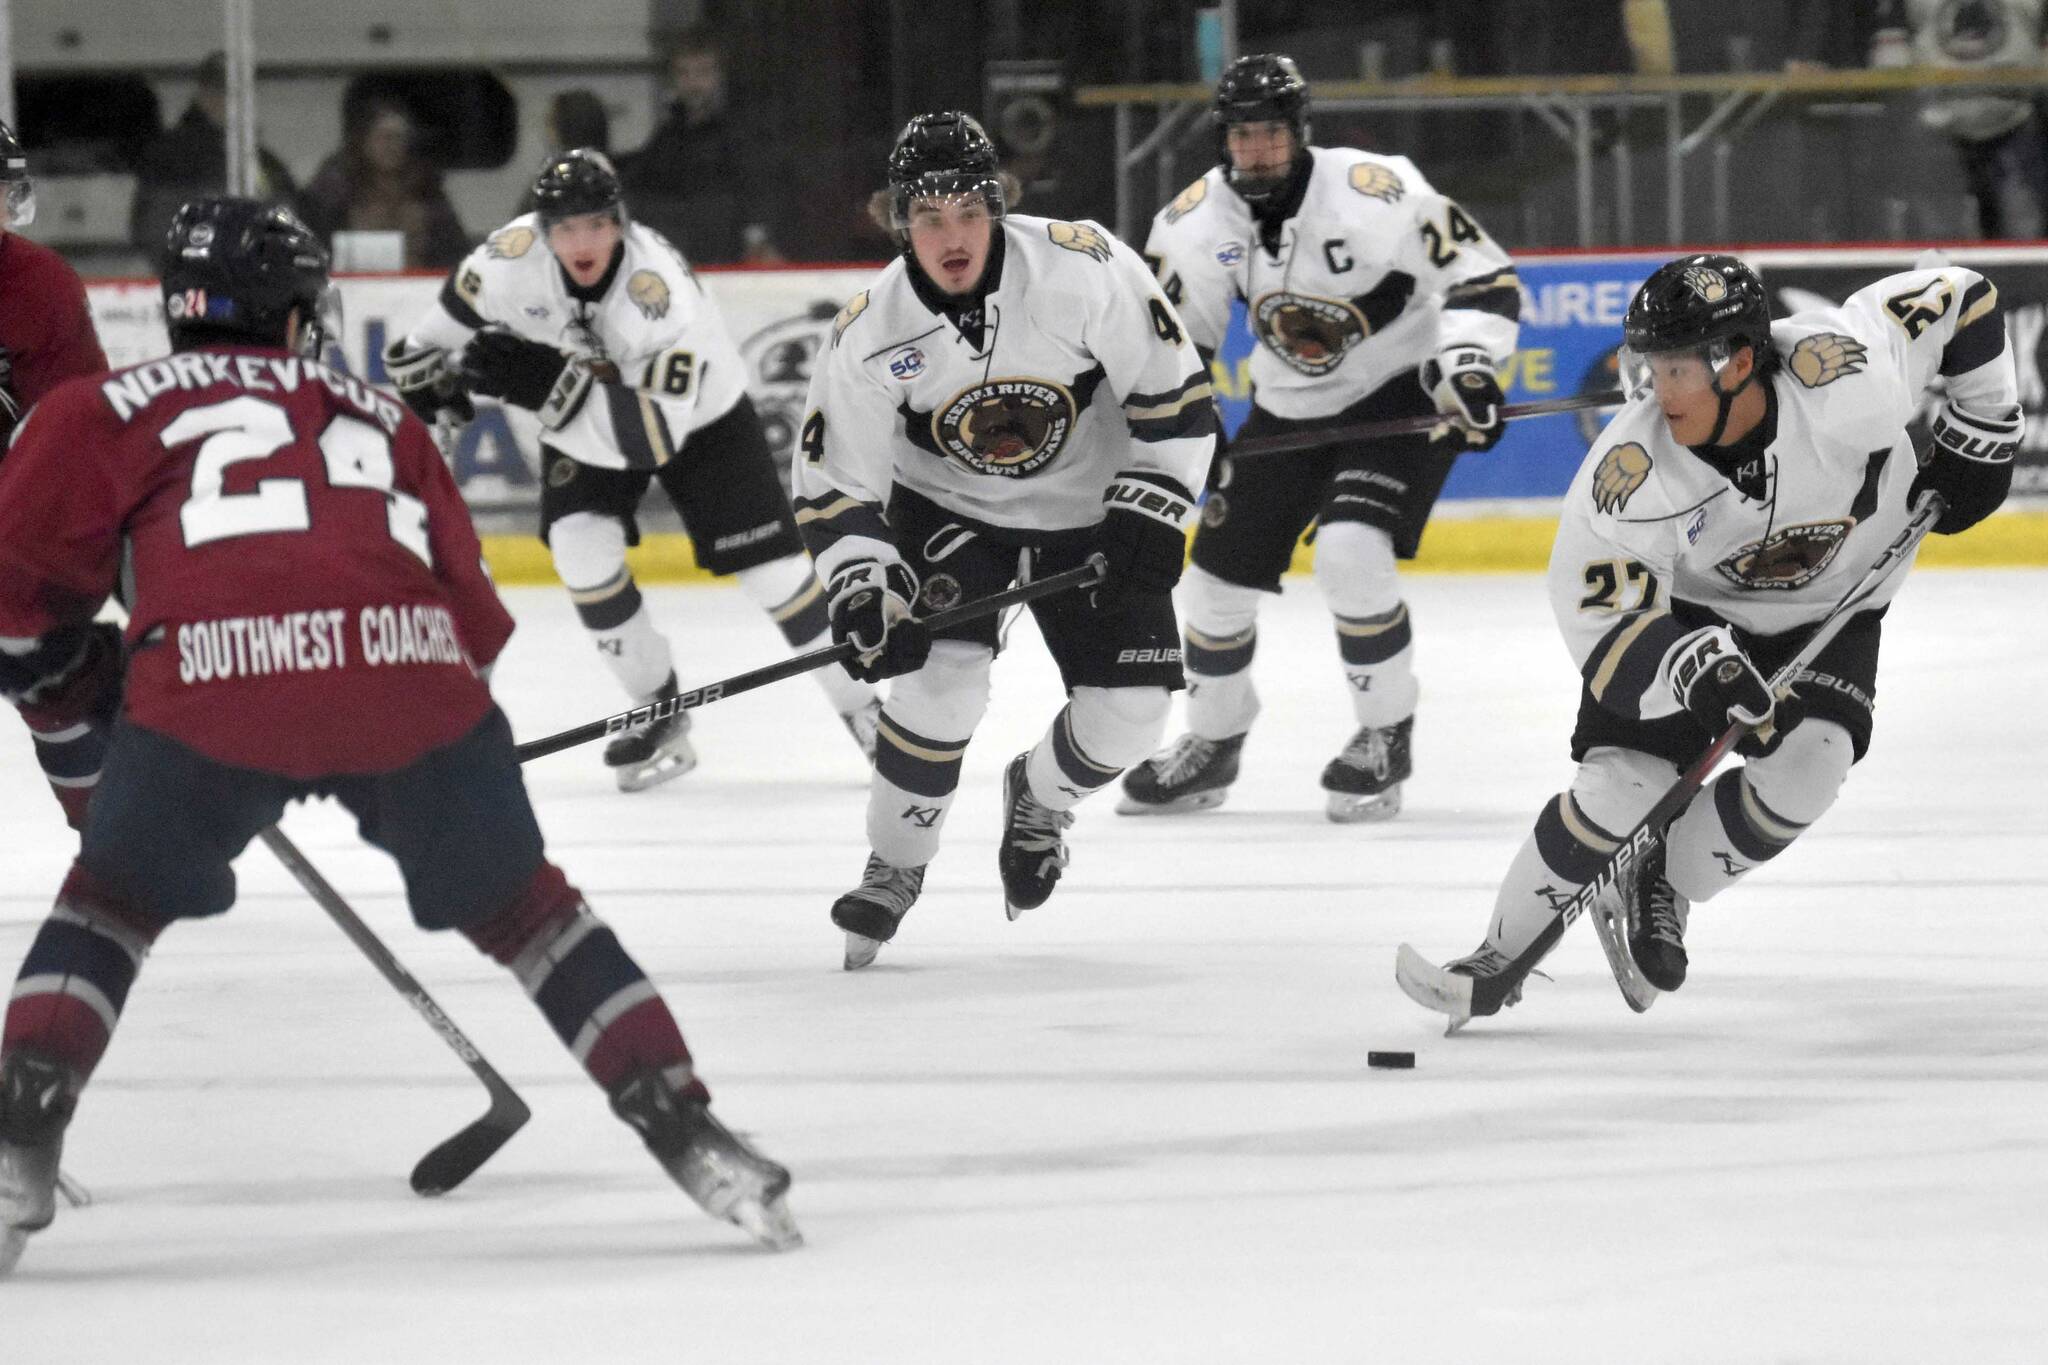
{"points": [[324, 327], [1681, 373], [955, 199], [21, 202]]}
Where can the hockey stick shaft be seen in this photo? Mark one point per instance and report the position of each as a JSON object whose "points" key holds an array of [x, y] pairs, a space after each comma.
{"points": [[458, 1158], [1650, 830], [1084, 576], [1402, 426]]}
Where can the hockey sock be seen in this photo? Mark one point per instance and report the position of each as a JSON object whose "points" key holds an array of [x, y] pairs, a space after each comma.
{"points": [[1096, 735], [919, 743], [71, 757], [590, 556], [594, 996], [1752, 814], [1221, 637], [789, 591], [1378, 653], [75, 980]]}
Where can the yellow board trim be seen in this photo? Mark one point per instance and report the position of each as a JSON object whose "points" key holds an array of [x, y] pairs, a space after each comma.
{"points": [[1450, 545]]}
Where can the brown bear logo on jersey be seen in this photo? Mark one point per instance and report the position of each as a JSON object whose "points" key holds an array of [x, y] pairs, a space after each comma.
{"points": [[1788, 558], [1825, 357], [1706, 283], [509, 244], [1622, 471], [1008, 427], [649, 293], [1377, 182], [1311, 334], [1184, 202], [1079, 237]]}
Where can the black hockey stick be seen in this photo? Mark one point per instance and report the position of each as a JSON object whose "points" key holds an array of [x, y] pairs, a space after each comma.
{"points": [[457, 1159], [1402, 426], [1415, 972], [1084, 576]]}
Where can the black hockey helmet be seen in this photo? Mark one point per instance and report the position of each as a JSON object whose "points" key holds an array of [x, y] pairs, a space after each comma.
{"points": [[1264, 87], [1708, 305], [579, 181], [938, 155], [235, 269], [19, 189]]}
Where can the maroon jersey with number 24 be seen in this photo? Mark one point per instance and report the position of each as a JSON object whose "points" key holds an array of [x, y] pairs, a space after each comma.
{"points": [[307, 593]]}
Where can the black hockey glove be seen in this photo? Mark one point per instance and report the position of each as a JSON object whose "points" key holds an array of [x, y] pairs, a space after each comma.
{"points": [[870, 610], [1712, 678], [1970, 464], [427, 382], [1144, 541], [527, 374], [1462, 384], [70, 675]]}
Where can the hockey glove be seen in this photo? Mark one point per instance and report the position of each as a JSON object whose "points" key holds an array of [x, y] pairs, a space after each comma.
{"points": [[1713, 679], [65, 677], [1970, 464], [527, 374], [1144, 540], [870, 610], [1462, 384], [427, 382]]}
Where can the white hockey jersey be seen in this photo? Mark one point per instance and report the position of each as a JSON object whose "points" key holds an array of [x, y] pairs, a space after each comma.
{"points": [[1772, 549], [1082, 371], [675, 368], [1375, 273]]}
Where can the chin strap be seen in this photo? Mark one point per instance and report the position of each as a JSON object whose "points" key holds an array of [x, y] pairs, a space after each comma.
{"points": [[1727, 399]]}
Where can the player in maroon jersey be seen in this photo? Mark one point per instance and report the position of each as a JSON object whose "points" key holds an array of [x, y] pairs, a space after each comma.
{"points": [[46, 337], [309, 615]]}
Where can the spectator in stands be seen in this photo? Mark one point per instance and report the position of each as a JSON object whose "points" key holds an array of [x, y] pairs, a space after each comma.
{"points": [[189, 160], [576, 118], [699, 180], [381, 182], [1998, 134]]}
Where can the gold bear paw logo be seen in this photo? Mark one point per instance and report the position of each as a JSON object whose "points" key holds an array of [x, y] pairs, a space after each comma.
{"points": [[1621, 472], [1826, 357]]}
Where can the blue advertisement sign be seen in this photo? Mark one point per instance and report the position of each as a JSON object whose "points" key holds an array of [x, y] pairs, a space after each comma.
{"points": [[1571, 325]]}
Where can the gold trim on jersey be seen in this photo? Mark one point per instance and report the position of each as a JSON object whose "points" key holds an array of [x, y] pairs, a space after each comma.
{"points": [[510, 243], [1173, 407], [656, 422], [1079, 237], [1377, 182], [1010, 427], [1825, 357], [842, 504], [649, 293], [1618, 647], [1310, 333], [1622, 471], [1184, 203], [1986, 302]]}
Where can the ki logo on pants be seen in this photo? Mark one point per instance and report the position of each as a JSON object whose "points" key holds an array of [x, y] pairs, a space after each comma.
{"points": [[924, 817]]}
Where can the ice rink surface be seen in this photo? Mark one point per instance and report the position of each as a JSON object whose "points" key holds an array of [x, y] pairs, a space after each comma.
{"points": [[1137, 1125]]}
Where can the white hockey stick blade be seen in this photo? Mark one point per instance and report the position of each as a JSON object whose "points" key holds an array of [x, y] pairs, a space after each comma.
{"points": [[1433, 988]]}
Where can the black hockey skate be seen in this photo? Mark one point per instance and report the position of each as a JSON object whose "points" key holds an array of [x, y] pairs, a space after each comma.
{"points": [[1656, 923], [1033, 853], [1192, 774], [37, 1097], [1364, 782], [727, 1178], [871, 911], [653, 753]]}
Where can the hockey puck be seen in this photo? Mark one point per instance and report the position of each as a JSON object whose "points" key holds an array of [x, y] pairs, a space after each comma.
{"points": [[1391, 1061]]}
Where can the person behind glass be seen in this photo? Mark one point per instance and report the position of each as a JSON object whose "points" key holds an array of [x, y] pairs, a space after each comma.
{"points": [[696, 180], [380, 182], [1999, 134], [576, 118], [189, 159]]}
